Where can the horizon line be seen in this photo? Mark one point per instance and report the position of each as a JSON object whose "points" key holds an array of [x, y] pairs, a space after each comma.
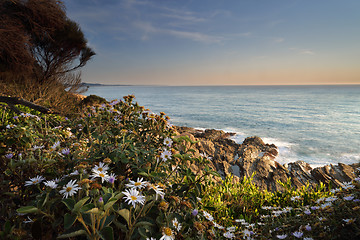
{"points": [[226, 85]]}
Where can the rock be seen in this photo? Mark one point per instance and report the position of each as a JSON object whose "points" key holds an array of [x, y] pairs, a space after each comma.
{"points": [[254, 156]]}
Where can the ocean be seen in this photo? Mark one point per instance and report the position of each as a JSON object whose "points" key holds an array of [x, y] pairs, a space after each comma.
{"points": [[316, 124]]}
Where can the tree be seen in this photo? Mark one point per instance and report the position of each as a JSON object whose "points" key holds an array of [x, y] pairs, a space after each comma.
{"points": [[37, 37], [40, 48]]}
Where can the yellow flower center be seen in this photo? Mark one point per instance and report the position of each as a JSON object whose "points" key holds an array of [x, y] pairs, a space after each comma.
{"points": [[133, 198], [68, 189], [137, 183], [100, 169], [35, 181], [167, 231], [101, 175]]}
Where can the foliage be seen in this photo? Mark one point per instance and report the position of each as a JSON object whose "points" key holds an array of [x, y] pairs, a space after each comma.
{"points": [[121, 172], [40, 48], [131, 142]]}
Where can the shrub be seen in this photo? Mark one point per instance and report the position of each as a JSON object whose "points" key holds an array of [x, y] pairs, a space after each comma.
{"points": [[119, 171]]}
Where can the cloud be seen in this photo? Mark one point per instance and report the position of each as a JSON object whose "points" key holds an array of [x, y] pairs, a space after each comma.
{"points": [[306, 52], [303, 51], [194, 36], [279, 40], [188, 18]]}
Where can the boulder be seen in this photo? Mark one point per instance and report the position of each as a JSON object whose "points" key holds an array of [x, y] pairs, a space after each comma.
{"points": [[254, 156]]}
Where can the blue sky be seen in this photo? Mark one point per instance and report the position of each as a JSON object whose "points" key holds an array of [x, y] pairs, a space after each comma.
{"points": [[220, 42]]}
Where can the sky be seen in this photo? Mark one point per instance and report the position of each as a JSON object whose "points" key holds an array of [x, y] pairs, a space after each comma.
{"points": [[220, 42]]}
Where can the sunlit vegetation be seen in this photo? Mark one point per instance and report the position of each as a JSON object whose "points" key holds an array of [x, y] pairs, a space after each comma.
{"points": [[119, 171]]}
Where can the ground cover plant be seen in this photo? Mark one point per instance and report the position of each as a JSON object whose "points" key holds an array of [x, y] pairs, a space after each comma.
{"points": [[119, 171]]}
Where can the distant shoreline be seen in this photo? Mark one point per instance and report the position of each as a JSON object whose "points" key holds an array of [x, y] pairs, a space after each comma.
{"points": [[289, 85]]}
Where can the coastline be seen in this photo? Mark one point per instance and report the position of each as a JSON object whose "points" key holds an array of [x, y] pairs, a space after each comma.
{"points": [[253, 156]]}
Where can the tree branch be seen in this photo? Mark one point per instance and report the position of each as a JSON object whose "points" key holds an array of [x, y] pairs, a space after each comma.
{"points": [[12, 101]]}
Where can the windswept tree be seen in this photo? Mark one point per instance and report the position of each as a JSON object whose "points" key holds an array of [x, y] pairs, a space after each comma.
{"points": [[39, 46]]}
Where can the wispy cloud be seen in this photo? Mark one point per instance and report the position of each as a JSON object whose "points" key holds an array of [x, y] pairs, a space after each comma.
{"points": [[194, 36], [307, 52], [303, 51], [278, 40], [188, 18]]}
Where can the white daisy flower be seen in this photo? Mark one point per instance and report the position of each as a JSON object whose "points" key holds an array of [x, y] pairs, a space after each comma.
{"points": [[166, 155], [37, 147], [348, 198], [52, 184], [307, 212], [283, 236], [167, 234], [158, 190], [168, 141], [133, 196], [74, 173], [297, 234], [139, 184], [229, 235], [112, 178], [348, 185], [102, 167], [35, 180], [65, 151], [208, 216], [70, 189], [176, 224], [28, 221], [103, 175], [217, 225], [247, 233], [349, 221], [56, 144], [295, 198], [10, 126]]}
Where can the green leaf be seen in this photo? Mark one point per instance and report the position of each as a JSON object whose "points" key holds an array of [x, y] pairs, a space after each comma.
{"points": [[45, 200], [143, 223], [69, 220], [27, 209], [109, 204], [143, 174], [73, 234], [79, 204], [108, 220], [106, 197], [107, 233], [87, 207], [125, 213], [120, 225], [94, 211], [7, 227], [69, 202]]}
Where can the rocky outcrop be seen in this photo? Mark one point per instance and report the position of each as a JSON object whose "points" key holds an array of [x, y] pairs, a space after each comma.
{"points": [[253, 156]]}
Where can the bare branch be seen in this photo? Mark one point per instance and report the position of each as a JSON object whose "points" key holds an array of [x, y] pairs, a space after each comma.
{"points": [[12, 101]]}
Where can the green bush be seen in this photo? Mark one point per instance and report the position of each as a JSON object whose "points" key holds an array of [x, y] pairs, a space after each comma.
{"points": [[120, 172]]}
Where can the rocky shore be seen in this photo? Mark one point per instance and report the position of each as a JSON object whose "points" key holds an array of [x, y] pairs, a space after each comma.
{"points": [[254, 156]]}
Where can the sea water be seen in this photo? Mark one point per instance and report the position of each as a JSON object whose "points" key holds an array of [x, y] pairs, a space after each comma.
{"points": [[317, 124]]}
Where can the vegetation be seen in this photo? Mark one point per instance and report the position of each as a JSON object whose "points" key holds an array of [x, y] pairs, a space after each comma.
{"points": [[121, 172], [40, 48]]}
